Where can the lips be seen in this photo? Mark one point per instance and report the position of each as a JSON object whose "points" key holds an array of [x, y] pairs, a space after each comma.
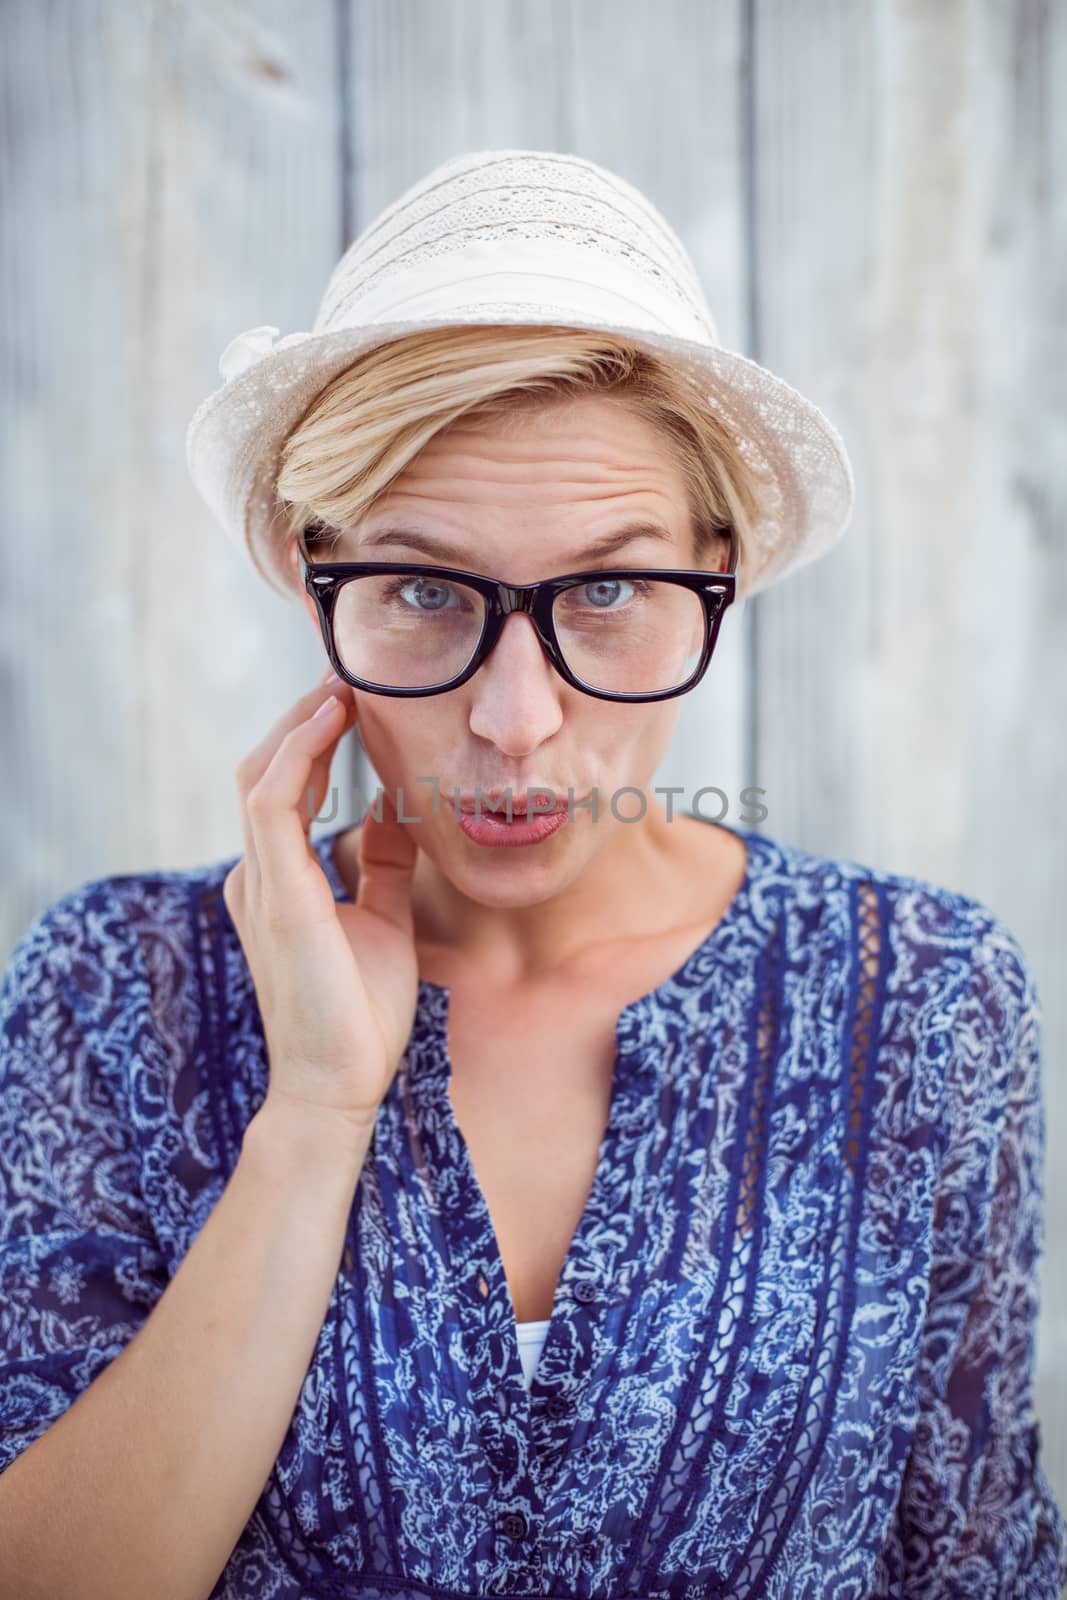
{"points": [[495, 800]]}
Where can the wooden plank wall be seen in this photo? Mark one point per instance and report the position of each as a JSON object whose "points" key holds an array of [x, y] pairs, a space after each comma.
{"points": [[868, 190]]}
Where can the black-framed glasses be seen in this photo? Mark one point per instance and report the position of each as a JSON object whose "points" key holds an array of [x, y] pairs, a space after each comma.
{"points": [[620, 633]]}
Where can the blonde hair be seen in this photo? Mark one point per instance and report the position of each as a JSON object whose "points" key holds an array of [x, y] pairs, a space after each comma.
{"points": [[374, 418]]}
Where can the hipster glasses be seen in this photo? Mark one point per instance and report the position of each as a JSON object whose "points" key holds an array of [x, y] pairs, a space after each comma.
{"points": [[619, 633]]}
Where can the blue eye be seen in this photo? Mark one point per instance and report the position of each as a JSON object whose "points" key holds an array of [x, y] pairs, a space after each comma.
{"points": [[428, 594], [604, 594]]}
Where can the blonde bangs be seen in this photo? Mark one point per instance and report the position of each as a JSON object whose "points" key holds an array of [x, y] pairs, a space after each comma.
{"points": [[372, 420]]}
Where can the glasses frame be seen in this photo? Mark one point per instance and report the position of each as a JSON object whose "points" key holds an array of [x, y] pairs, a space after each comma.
{"points": [[324, 580]]}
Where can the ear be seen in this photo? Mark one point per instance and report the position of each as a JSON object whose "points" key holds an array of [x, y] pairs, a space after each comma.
{"points": [[292, 561], [722, 560]]}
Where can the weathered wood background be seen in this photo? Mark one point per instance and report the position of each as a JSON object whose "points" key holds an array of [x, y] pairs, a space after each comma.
{"points": [[869, 191]]}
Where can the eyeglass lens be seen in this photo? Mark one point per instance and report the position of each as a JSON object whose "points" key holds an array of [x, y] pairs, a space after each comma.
{"points": [[404, 630]]}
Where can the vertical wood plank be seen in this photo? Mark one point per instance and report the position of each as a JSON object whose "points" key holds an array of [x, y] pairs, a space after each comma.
{"points": [[1011, 820], [243, 229], [910, 687], [814, 249], [70, 620], [175, 179]]}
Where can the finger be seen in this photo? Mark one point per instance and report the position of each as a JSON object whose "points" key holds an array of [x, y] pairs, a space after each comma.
{"points": [[233, 890], [282, 859], [319, 777], [387, 856], [252, 767], [260, 756]]}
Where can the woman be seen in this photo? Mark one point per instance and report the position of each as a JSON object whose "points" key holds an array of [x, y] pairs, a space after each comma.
{"points": [[596, 1201]]}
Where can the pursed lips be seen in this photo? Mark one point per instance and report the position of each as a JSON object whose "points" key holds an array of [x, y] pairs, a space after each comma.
{"points": [[494, 800]]}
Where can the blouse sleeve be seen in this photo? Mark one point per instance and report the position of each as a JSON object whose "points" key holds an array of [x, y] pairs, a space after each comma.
{"points": [[80, 1268], [976, 1518]]}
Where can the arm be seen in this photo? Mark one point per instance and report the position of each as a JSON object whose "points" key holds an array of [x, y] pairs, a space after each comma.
{"points": [[139, 1417], [159, 1464], [138, 1453], [976, 1516]]}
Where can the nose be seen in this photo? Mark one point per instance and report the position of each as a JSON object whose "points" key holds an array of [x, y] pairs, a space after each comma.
{"points": [[516, 692]]}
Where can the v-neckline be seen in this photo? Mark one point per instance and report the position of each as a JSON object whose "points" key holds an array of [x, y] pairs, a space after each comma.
{"points": [[655, 1034], [643, 1026]]}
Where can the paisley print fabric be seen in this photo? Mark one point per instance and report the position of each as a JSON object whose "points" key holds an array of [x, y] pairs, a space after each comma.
{"points": [[792, 1345]]}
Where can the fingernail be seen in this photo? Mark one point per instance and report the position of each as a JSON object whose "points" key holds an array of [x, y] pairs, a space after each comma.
{"points": [[328, 706]]}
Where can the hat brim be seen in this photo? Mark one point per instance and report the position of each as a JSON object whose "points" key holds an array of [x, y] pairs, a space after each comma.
{"points": [[235, 437]]}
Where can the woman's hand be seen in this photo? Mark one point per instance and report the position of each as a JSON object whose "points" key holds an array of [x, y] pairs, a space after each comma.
{"points": [[337, 983]]}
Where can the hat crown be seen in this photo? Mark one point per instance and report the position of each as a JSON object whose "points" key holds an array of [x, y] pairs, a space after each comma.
{"points": [[482, 227]]}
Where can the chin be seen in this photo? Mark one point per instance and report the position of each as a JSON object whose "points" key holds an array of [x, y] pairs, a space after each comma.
{"points": [[508, 876]]}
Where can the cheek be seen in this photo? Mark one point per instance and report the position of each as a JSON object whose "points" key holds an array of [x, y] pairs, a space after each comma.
{"points": [[629, 743], [403, 742]]}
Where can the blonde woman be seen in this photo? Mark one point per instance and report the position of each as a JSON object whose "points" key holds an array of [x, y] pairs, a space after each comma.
{"points": [[537, 1188]]}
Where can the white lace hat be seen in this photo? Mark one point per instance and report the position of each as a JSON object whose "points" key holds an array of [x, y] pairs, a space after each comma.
{"points": [[520, 236]]}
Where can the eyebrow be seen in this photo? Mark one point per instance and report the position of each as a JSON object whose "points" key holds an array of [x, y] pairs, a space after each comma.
{"points": [[430, 545]]}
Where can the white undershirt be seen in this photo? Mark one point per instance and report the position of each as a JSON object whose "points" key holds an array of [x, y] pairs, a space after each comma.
{"points": [[531, 1337]]}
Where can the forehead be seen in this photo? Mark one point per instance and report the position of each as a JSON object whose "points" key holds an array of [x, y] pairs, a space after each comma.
{"points": [[565, 453], [586, 472], [533, 494]]}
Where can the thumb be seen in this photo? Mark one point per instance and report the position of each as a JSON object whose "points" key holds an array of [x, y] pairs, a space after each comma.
{"points": [[387, 856]]}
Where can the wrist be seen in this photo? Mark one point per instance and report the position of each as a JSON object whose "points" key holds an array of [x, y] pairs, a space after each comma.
{"points": [[301, 1133]]}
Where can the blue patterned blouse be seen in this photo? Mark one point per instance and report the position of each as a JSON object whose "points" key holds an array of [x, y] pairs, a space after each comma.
{"points": [[791, 1349]]}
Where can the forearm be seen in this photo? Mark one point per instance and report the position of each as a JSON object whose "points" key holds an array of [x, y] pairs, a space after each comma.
{"points": [[145, 1485]]}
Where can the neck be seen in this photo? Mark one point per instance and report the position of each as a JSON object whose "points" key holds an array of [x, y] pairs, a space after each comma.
{"points": [[628, 879]]}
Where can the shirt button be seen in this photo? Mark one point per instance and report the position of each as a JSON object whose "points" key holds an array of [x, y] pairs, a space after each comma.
{"points": [[514, 1524], [557, 1405], [584, 1291]]}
